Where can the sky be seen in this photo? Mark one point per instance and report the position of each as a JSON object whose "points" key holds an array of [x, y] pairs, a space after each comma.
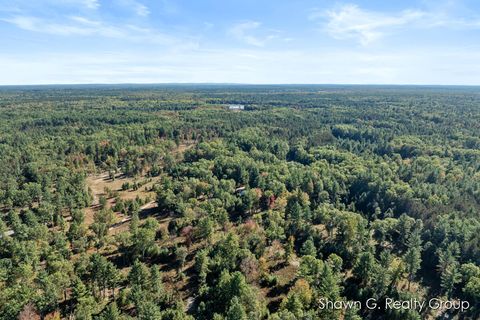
{"points": [[240, 41]]}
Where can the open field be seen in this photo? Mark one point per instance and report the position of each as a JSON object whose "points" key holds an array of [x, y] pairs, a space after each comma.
{"points": [[99, 183]]}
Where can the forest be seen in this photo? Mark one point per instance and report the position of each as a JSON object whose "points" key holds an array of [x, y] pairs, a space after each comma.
{"points": [[160, 202]]}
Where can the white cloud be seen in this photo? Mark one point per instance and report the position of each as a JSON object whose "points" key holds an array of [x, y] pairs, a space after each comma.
{"points": [[41, 4], [350, 21], [142, 10], [242, 31], [137, 7], [91, 4], [81, 26], [69, 27], [250, 32]]}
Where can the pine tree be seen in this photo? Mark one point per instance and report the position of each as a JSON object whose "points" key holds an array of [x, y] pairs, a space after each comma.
{"points": [[236, 311], [308, 248], [450, 277], [111, 312], [412, 261]]}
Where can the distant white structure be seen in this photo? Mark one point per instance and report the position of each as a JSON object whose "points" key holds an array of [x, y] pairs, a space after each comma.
{"points": [[236, 107]]}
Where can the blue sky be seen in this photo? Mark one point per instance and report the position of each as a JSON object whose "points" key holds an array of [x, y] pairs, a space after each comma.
{"points": [[262, 41]]}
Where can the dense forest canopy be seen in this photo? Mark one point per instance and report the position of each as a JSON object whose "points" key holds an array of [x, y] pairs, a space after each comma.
{"points": [[158, 202]]}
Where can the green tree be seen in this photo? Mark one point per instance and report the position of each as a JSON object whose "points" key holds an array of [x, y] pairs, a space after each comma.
{"points": [[236, 311], [412, 262], [111, 312], [308, 248]]}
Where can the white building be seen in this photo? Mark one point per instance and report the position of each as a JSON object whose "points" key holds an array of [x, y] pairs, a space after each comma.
{"points": [[236, 107]]}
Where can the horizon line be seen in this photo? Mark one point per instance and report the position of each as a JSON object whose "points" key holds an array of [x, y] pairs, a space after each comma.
{"points": [[232, 84]]}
